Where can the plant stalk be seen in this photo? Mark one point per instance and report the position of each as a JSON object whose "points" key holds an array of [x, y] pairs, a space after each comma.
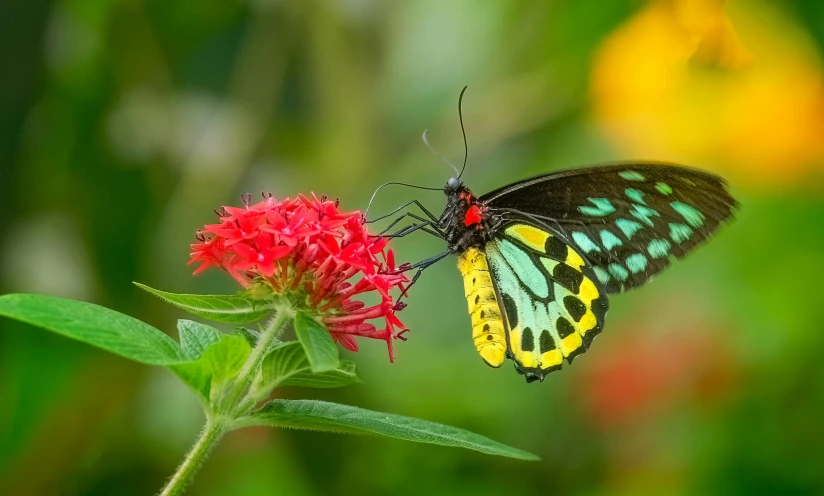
{"points": [[273, 329], [211, 434], [216, 427]]}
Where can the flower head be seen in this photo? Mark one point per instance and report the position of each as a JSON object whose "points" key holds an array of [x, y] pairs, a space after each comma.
{"points": [[305, 249]]}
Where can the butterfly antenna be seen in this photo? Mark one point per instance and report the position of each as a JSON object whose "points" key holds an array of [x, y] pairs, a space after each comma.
{"points": [[366, 212], [447, 162], [463, 131]]}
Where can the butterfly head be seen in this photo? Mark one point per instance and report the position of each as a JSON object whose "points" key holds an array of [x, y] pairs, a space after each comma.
{"points": [[465, 220], [452, 186]]}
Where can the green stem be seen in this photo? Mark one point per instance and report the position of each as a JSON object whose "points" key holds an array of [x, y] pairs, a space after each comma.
{"points": [[218, 423], [211, 434], [250, 368]]}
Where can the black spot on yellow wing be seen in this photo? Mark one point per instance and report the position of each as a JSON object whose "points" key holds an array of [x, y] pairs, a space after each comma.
{"points": [[511, 310], [575, 307], [564, 327], [569, 278], [555, 248], [546, 342], [527, 340]]}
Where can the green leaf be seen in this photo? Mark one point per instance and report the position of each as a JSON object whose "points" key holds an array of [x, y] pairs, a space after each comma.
{"points": [[317, 343], [219, 363], [344, 375], [250, 335], [226, 359], [94, 325], [332, 417], [195, 337], [196, 375], [288, 365], [231, 309]]}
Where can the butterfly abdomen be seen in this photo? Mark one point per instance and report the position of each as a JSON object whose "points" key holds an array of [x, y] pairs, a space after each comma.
{"points": [[487, 322]]}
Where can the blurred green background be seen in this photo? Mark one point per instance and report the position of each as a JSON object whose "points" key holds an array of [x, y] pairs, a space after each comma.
{"points": [[123, 123]]}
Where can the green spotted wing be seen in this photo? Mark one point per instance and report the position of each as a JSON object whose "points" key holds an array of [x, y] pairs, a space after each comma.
{"points": [[627, 220], [551, 302]]}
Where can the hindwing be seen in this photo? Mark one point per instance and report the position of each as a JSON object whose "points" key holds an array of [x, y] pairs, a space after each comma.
{"points": [[548, 304], [627, 220]]}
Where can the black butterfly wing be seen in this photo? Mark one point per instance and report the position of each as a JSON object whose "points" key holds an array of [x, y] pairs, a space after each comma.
{"points": [[627, 219]]}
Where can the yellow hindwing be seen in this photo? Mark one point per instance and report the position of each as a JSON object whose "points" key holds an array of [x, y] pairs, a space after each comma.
{"points": [[552, 305]]}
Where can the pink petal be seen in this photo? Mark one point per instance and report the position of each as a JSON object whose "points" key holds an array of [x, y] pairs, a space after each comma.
{"points": [[277, 252], [346, 340], [266, 268], [245, 251]]}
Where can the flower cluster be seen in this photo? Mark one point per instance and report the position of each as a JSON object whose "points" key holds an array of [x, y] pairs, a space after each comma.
{"points": [[318, 257]]}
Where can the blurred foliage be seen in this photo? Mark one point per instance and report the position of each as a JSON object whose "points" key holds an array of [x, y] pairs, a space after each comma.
{"points": [[124, 123]]}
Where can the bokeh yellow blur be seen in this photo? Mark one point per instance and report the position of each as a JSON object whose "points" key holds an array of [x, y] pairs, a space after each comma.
{"points": [[124, 123], [733, 84]]}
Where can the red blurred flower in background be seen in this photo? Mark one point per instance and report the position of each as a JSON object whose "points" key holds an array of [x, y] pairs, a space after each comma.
{"points": [[646, 373], [307, 250]]}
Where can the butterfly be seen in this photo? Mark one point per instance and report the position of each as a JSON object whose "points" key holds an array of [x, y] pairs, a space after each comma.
{"points": [[539, 257]]}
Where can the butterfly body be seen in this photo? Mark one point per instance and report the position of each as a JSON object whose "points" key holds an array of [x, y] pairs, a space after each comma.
{"points": [[466, 221], [539, 257]]}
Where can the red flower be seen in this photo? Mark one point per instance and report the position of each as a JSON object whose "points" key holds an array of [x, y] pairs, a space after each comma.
{"points": [[623, 388], [318, 257]]}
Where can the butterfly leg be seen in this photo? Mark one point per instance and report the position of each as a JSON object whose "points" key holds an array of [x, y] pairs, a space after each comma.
{"points": [[424, 222], [419, 268], [413, 228], [428, 225], [423, 225], [426, 212]]}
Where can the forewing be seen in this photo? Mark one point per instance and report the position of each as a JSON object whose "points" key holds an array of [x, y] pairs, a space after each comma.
{"points": [[552, 305], [628, 220]]}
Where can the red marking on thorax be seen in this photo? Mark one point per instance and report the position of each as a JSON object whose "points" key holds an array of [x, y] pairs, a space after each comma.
{"points": [[473, 215]]}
